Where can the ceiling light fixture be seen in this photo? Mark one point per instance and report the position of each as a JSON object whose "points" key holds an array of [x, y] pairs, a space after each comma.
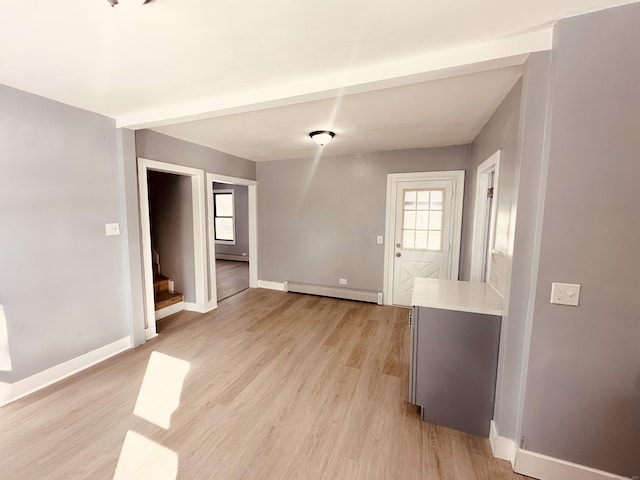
{"points": [[322, 137], [113, 3]]}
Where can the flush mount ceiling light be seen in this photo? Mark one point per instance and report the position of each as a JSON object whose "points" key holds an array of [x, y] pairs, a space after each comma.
{"points": [[322, 137], [113, 3]]}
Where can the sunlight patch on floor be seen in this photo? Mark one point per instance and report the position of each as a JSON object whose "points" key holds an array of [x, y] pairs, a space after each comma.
{"points": [[161, 388], [142, 458]]}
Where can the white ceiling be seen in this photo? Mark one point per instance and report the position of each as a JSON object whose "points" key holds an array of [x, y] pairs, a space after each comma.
{"points": [[264, 73]]}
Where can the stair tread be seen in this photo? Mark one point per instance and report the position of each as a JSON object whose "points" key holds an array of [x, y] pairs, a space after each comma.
{"points": [[159, 297]]}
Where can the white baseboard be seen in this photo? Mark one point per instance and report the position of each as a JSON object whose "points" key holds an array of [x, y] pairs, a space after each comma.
{"points": [[543, 467], [150, 333], [198, 307], [170, 310], [502, 447], [271, 285], [14, 391]]}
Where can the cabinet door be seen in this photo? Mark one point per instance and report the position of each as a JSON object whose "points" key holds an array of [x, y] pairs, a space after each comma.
{"points": [[455, 366]]}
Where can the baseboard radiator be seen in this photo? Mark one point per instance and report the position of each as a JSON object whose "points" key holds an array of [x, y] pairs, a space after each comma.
{"points": [[335, 292], [232, 256]]}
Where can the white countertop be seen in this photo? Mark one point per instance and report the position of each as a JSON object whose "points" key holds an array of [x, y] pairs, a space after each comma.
{"points": [[457, 295]]}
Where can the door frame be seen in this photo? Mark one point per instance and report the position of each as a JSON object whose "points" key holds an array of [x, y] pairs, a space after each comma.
{"points": [[199, 236], [252, 187], [457, 176], [480, 262]]}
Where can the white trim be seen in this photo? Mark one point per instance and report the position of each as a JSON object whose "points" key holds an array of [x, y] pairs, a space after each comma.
{"points": [[457, 176], [170, 310], [252, 187], [502, 447], [282, 287], [199, 235], [195, 307], [10, 392], [548, 468], [481, 215], [150, 333]]}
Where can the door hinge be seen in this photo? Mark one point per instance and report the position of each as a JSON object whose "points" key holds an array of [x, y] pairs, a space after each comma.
{"points": [[490, 192]]}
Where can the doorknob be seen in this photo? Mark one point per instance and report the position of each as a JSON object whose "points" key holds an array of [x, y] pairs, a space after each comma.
{"points": [[398, 254], [398, 245]]}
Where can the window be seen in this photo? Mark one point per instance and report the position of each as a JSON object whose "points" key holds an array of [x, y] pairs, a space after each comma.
{"points": [[423, 219], [224, 217]]}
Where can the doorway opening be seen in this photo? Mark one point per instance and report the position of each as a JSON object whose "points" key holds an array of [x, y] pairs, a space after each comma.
{"points": [[190, 229], [423, 230], [484, 220], [232, 233]]}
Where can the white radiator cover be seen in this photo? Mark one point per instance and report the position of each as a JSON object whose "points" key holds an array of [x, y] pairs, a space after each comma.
{"points": [[335, 292]]}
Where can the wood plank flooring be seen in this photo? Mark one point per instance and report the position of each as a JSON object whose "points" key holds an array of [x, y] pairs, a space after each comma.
{"points": [[231, 277], [280, 386]]}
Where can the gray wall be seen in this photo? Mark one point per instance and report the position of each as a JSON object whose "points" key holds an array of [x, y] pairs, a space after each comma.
{"points": [[241, 199], [156, 146], [583, 387], [500, 132], [61, 278], [171, 216], [318, 219], [526, 197]]}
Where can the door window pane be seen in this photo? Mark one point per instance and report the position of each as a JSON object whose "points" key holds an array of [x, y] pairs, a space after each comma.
{"points": [[421, 240], [409, 219], [423, 219], [408, 238]]}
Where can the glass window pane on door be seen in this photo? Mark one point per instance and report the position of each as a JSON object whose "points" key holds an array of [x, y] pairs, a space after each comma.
{"points": [[423, 219]]}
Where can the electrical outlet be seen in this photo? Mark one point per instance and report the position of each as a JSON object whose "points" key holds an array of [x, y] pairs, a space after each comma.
{"points": [[565, 294], [342, 281], [112, 228], [380, 239]]}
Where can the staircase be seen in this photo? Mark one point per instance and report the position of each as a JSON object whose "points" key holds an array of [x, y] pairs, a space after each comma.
{"points": [[163, 294]]}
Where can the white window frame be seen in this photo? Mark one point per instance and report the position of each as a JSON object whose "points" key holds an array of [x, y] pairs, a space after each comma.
{"points": [[233, 207]]}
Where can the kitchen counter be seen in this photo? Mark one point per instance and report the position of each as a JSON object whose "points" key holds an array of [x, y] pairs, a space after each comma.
{"points": [[472, 297], [453, 357]]}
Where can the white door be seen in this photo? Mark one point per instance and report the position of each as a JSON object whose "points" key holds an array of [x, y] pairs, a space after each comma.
{"points": [[426, 233]]}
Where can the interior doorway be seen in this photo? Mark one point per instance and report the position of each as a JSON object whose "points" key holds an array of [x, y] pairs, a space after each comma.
{"points": [[424, 226], [484, 220], [231, 238], [195, 180], [233, 245]]}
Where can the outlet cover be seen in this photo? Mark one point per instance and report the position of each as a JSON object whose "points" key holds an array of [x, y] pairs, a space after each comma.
{"points": [[380, 239], [565, 294], [343, 281], [112, 228]]}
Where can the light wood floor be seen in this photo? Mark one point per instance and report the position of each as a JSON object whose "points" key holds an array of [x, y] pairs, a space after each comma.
{"points": [[280, 386], [231, 278]]}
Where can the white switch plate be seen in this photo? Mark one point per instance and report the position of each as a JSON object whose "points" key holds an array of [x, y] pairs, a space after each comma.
{"points": [[380, 240], [112, 228], [343, 281], [565, 293]]}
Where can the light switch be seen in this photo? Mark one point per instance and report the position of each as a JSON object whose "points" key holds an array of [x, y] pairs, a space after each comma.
{"points": [[380, 239], [565, 293], [112, 228]]}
